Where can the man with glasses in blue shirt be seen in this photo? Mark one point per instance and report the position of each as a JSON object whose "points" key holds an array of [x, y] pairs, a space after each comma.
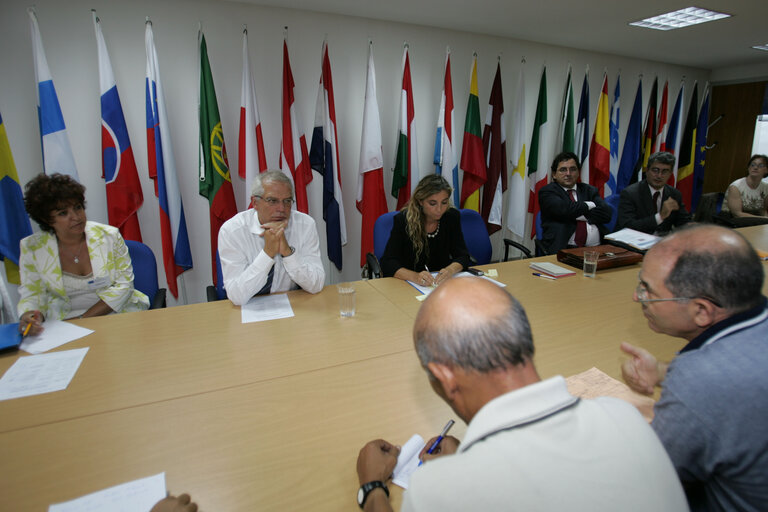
{"points": [[704, 284], [270, 248], [652, 206]]}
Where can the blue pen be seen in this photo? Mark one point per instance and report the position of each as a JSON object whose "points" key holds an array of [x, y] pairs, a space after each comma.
{"points": [[439, 438]]}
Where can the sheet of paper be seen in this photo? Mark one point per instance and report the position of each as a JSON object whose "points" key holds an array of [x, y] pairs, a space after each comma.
{"points": [[407, 461], [593, 383], [485, 276], [44, 373], [266, 307], [424, 290], [137, 496], [55, 334], [636, 239]]}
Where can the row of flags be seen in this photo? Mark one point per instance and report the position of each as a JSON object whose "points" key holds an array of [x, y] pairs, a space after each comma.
{"points": [[483, 160]]}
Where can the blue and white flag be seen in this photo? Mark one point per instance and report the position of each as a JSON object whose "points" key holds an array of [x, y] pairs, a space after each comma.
{"points": [[613, 132], [324, 158], [446, 163], [57, 153]]}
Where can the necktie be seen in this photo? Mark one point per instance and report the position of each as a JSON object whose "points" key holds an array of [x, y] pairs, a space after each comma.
{"points": [[267, 287], [656, 202], [581, 227]]}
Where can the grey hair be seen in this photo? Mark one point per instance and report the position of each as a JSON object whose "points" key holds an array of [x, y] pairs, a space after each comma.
{"points": [[486, 345], [272, 176], [662, 157]]}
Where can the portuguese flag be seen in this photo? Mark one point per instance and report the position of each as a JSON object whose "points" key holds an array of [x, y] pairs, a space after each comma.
{"points": [[215, 182]]}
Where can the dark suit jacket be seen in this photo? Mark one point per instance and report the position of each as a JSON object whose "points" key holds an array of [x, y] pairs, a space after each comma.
{"points": [[636, 209], [559, 213]]}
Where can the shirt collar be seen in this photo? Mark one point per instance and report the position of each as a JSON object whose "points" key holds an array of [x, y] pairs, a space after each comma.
{"points": [[731, 324]]}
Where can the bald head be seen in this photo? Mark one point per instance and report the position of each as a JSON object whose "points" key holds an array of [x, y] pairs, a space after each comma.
{"points": [[471, 323], [712, 262]]}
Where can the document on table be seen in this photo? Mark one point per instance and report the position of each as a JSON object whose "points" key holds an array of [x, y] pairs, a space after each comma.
{"points": [[408, 461], [44, 373], [426, 290], [137, 496], [633, 238], [266, 307], [55, 334], [594, 383]]}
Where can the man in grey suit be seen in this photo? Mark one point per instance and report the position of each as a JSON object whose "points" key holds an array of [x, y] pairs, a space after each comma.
{"points": [[652, 206]]}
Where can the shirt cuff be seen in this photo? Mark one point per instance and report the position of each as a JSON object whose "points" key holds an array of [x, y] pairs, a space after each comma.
{"points": [[590, 204], [658, 218]]}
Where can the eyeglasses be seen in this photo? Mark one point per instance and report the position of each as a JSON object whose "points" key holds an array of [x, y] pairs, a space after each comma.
{"points": [[272, 202], [642, 296], [658, 171], [566, 170], [756, 165]]}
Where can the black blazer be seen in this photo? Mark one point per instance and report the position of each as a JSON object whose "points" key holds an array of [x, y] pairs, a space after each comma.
{"points": [[559, 213], [636, 209]]}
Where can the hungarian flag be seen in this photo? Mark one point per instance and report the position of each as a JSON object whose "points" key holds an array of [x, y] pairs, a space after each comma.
{"points": [[633, 142], [124, 196], [177, 256], [672, 138], [446, 163], [215, 183], [538, 164], [566, 141], [688, 149], [371, 201], [649, 130], [406, 171], [661, 123], [57, 153], [472, 161], [518, 191], [613, 129], [600, 149], [324, 158], [700, 151], [581, 143], [14, 222], [495, 147], [251, 158], [294, 158]]}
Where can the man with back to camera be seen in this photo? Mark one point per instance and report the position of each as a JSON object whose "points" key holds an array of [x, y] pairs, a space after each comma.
{"points": [[704, 284], [572, 213], [652, 206], [270, 248], [530, 444]]}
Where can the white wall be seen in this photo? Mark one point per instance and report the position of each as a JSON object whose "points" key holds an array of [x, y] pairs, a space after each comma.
{"points": [[69, 41]]}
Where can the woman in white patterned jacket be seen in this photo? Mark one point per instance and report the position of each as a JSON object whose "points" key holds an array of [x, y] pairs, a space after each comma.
{"points": [[73, 268]]}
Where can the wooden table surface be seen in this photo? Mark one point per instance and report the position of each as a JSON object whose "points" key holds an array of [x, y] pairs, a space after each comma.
{"points": [[271, 415]]}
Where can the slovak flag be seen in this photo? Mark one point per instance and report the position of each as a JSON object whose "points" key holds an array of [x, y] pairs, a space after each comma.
{"points": [[324, 158], [124, 196], [177, 256], [251, 157]]}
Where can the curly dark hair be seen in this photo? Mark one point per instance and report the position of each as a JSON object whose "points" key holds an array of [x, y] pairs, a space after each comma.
{"points": [[43, 194]]}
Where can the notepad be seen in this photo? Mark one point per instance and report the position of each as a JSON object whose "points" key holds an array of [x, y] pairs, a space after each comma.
{"points": [[551, 269], [138, 495], [408, 461], [633, 238]]}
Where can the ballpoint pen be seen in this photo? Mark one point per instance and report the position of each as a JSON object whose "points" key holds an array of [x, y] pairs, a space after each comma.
{"points": [[439, 438], [544, 276]]}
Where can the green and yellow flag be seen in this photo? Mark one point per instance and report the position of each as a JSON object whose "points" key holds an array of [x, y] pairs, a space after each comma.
{"points": [[472, 159]]}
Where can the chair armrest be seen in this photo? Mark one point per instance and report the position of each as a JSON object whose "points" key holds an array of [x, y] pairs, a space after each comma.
{"points": [[511, 243], [210, 293], [374, 268], [159, 301]]}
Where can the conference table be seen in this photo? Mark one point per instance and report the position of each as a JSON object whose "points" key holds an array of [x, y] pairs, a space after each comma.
{"points": [[271, 415]]}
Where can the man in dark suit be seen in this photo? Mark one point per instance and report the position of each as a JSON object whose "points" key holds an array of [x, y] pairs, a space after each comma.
{"points": [[652, 206], [572, 214]]}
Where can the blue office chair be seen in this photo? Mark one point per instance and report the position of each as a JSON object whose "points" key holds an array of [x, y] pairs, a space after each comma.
{"points": [[613, 202], [540, 250], [145, 273], [382, 228], [476, 237], [216, 292]]}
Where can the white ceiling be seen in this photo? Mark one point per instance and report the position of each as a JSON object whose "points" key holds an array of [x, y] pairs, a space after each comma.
{"points": [[594, 25]]}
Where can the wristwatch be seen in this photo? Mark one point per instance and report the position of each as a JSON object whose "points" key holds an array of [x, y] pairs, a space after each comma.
{"points": [[365, 490]]}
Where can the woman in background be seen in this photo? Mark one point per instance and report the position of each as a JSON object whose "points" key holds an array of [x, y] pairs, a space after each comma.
{"points": [[426, 236], [748, 197], [73, 268]]}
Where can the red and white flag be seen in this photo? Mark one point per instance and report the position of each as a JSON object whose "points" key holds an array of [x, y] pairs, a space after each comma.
{"points": [[661, 124], [406, 171], [251, 157], [371, 199], [294, 157]]}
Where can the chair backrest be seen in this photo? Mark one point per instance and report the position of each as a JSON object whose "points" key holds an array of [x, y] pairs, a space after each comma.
{"points": [[613, 202], [538, 225], [144, 268], [709, 205], [381, 231], [476, 236]]}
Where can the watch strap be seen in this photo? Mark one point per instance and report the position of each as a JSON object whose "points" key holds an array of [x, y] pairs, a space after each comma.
{"points": [[366, 489]]}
